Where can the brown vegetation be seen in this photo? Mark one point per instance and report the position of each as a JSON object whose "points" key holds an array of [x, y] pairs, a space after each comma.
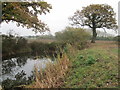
{"points": [[105, 44], [53, 75], [41, 40]]}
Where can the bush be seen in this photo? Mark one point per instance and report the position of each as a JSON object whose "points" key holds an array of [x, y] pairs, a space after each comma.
{"points": [[8, 44], [12, 45], [49, 49], [74, 36]]}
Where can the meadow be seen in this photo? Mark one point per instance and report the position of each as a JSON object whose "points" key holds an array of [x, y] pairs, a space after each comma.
{"points": [[94, 67]]}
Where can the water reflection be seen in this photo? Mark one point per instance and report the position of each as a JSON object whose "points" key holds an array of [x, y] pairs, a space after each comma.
{"points": [[21, 61], [19, 71]]}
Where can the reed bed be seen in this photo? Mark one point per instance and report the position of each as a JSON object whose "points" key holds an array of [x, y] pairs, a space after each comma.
{"points": [[53, 75]]}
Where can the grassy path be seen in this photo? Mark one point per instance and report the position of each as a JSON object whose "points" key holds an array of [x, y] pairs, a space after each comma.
{"points": [[94, 67]]}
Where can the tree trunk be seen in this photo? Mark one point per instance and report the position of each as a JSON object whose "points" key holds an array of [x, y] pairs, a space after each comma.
{"points": [[94, 35]]}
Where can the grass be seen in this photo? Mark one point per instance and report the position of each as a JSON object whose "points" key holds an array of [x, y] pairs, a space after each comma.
{"points": [[94, 67], [53, 75]]}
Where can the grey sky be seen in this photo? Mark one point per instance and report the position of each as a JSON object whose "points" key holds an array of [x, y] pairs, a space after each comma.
{"points": [[57, 19]]}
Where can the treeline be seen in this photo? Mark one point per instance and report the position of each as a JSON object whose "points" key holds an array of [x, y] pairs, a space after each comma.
{"points": [[49, 36], [76, 37], [15, 46], [105, 38], [12, 45], [117, 38]]}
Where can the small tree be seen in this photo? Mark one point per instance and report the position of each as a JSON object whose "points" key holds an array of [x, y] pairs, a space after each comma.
{"points": [[95, 16], [75, 36]]}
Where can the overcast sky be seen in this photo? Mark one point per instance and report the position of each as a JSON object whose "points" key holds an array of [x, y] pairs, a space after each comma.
{"points": [[57, 19]]}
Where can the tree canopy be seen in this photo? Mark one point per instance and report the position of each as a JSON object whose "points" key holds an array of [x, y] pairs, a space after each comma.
{"points": [[26, 14], [95, 16]]}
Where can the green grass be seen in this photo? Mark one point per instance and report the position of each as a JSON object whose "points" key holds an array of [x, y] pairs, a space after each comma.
{"points": [[93, 68], [115, 50]]}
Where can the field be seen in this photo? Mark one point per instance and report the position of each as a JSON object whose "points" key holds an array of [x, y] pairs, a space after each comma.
{"points": [[94, 67], [41, 40]]}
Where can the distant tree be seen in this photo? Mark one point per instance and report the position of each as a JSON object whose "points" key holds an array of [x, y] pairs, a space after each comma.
{"points": [[117, 38], [8, 44], [26, 14], [12, 45], [21, 42], [95, 16]]}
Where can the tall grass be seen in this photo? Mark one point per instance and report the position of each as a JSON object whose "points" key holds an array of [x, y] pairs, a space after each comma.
{"points": [[53, 75]]}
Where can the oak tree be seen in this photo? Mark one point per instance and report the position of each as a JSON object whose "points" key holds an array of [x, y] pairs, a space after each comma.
{"points": [[26, 14], [95, 16]]}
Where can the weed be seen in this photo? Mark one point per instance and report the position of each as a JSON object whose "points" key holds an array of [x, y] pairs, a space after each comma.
{"points": [[90, 60]]}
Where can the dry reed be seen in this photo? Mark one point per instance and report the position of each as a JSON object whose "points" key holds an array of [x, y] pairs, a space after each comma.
{"points": [[52, 76]]}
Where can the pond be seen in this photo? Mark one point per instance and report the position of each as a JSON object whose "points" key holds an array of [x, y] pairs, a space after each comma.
{"points": [[20, 70]]}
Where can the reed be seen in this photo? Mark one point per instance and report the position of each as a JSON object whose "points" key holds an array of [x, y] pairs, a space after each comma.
{"points": [[53, 75]]}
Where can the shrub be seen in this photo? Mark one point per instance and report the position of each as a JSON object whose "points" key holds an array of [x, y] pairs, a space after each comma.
{"points": [[12, 45], [75, 36], [49, 49]]}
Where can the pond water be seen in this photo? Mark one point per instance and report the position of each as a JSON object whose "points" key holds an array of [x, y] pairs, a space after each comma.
{"points": [[21, 69]]}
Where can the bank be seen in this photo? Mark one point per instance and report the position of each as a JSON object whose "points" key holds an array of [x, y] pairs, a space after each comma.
{"points": [[94, 67]]}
